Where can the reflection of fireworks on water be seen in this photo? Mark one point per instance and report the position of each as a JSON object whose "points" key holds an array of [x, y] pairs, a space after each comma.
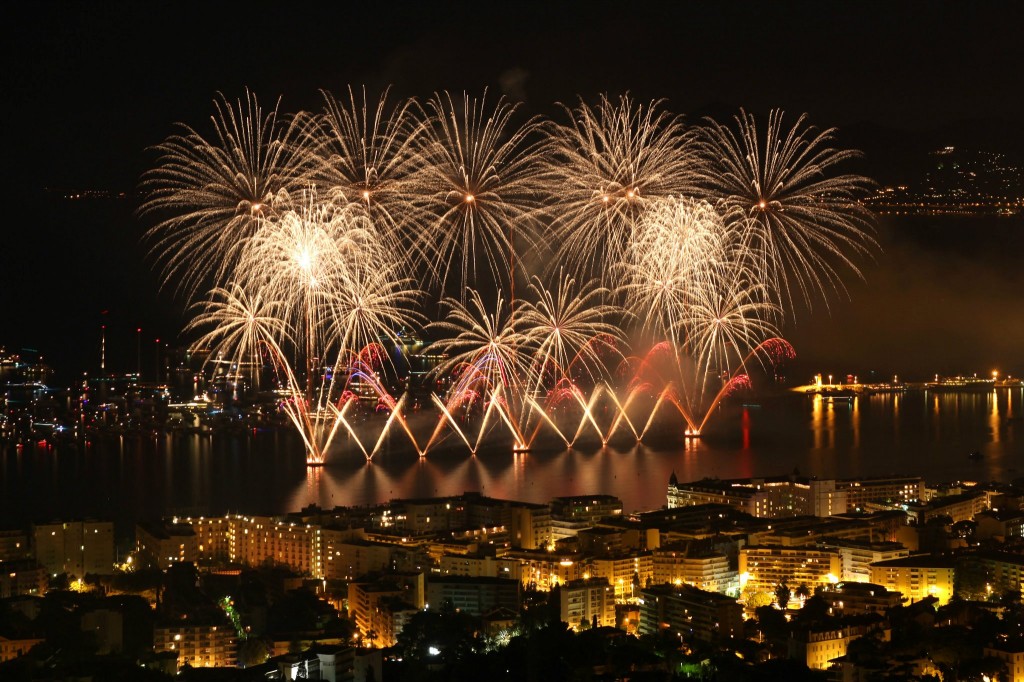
{"points": [[314, 231]]}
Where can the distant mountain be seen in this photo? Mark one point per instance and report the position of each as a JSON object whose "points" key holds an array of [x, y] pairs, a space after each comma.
{"points": [[893, 156]]}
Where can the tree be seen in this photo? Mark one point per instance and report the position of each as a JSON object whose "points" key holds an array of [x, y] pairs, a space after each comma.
{"points": [[772, 622], [253, 651], [782, 595], [803, 591], [453, 635], [815, 611], [758, 599]]}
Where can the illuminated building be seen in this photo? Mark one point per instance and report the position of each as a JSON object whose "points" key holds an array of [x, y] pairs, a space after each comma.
{"points": [[75, 547], [349, 559], [348, 664], [433, 514], [254, 540], [563, 529], [809, 530], [817, 648], [11, 649], [24, 576], [1012, 654], [710, 572], [781, 496], [770, 497], [689, 613], [381, 605], [161, 544], [200, 645], [379, 610], [530, 525], [545, 570], [855, 598], [587, 601], [13, 545], [962, 507], [483, 566], [590, 508], [475, 596], [763, 568], [890, 489], [626, 573], [1000, 525], [211, 537], [603, 541], [995, 572], [916, 577], [856, 557], [372, 603]]}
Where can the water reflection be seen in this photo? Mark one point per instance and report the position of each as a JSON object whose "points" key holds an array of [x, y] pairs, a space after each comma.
{"points": [[994, 419], [264, 472]]}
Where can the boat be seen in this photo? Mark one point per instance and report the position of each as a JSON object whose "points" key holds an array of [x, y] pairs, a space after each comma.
{"points": [[976, 455]]}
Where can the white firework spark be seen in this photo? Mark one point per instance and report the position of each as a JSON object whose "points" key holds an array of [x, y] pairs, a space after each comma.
{"points": [[482, 186], [567, 330], [368, 154], [805, 222], [605, 166], [208, 193]]}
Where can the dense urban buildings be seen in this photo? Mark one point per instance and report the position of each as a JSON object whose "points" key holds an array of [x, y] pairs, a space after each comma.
{"points": [[702, 570]]}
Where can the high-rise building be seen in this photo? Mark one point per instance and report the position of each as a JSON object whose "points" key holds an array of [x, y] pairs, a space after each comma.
{"points": [[161, 544], [75, 547], [917, 577], [590, 601], [689, 613], [764, 568], [13, 545], [200, 645]]}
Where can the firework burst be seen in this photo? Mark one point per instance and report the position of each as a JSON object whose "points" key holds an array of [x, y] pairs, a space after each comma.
{"points": [[367, 155], [489, 344], [567, 330], [678, 253], [803, 221], [605, 166], [315, 233], [482, 186], [208, 194], [238, 325]]}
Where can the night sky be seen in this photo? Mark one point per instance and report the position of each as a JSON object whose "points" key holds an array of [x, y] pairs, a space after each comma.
{"points": [[89, 86]]}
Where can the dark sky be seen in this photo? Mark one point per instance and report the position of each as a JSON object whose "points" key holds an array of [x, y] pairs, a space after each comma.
{"points": [[89, 86]]}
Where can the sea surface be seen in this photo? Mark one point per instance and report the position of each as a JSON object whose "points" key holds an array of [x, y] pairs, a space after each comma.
{"points": [[129, 478]]}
